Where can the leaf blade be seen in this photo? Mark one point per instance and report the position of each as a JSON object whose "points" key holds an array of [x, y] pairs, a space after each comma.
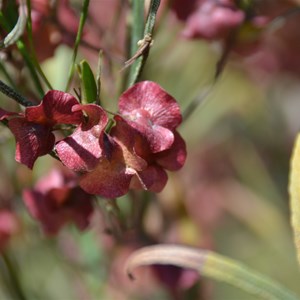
{"points": [[88, 83], [211, 265], [294, 191]]}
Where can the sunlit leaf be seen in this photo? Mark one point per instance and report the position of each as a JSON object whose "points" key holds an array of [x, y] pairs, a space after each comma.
{"points": [[88, 83], [294, 190], [211, 265]]}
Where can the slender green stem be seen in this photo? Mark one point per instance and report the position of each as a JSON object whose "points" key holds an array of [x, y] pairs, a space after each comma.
{"points": [[83, 17], [154, 5], [137, 31], [32, 49], [13, 277], [228, 46], [98, 77], [200, 100], [139, 204], [220, 66], [114, 217], [141, 60], [36, 80], [11, 93]]}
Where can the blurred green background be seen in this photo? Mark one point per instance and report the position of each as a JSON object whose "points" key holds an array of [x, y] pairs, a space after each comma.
{"points": [[231, 196]]}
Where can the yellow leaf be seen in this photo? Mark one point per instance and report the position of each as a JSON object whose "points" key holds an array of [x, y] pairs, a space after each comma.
{"points": [[294, 190]]}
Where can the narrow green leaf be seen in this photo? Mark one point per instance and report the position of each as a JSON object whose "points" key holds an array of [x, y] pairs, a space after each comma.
{"points": [[5, 22], [33, 55], [294, 190], [88, 83], [211, 265], [18, 29]]}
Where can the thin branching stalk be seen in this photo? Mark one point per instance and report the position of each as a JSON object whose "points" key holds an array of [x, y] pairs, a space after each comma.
{"points": [[83, 16], [143, 51], [200, 100], [114, 217], [11, 93], [98, 77], [34, 75], [136, 32]]}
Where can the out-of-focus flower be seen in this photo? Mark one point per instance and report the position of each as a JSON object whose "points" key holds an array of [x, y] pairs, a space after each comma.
{"points": [[9, 225], [106, 29], [33, 129], [175, 278], [39, 10], [183, 9], [213, 19], [56, 200], [265, 41], [279, 45], [52, 25]]}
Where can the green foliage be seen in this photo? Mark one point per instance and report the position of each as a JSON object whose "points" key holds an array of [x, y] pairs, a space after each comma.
{"points": [[88, 83]]}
